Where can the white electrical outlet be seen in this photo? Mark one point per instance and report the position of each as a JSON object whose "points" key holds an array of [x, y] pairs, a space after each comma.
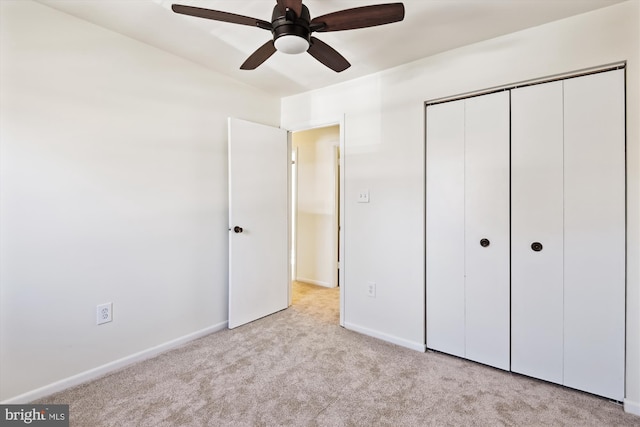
{"points": [[104, 313], [371, 289], [363, 196]]}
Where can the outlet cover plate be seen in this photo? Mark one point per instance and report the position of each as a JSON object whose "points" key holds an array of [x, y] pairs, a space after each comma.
{"points": [[371, 289], [104, 313]]}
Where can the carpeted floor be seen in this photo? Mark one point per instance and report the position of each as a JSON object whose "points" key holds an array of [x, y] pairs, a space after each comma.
{"points": [[299, 368]]}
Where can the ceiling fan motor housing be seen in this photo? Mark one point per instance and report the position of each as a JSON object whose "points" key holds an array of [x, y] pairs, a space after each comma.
{"points": [[289, 28]]}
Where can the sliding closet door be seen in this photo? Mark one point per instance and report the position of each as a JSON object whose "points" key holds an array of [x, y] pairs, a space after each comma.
{"points": [[594, 291], [486, 213], [537, 216], [445, 227]]}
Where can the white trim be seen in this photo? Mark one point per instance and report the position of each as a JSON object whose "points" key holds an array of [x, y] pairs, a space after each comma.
{"points": [[293, 214], [315, 282], [335, 218], [315, 124], [413, 345], [632, 407], [341, 218], [100, 371]]}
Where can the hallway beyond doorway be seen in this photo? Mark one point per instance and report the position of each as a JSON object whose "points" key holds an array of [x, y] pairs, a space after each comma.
{"points": [[318, 301]]}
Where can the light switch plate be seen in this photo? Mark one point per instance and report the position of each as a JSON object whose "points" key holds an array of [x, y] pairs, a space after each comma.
{"points": [[363, 196]]}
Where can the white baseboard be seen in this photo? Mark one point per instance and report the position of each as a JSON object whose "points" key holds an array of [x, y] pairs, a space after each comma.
{"points": [[418, 346], [314, 282], [632, 407], [100, 371]]}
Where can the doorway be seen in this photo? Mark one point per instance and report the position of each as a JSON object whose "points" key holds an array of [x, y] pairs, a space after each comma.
{"points": [[315, 209]]}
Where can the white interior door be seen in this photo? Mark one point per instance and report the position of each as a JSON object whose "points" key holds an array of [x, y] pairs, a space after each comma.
{"points": [[486, 229], [258, 221], [445, 228], [594, 290], [468, 202], [537, 216]]}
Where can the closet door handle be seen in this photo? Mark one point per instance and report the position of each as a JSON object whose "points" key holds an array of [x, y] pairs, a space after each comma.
{"points": [[237, 229], [484, 242], [536, 246]]}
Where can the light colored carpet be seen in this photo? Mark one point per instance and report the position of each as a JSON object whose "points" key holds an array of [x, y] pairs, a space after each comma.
{"points": [[299, 368]]}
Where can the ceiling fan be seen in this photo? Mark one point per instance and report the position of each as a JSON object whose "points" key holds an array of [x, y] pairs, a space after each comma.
{"points": [[291, 26]]}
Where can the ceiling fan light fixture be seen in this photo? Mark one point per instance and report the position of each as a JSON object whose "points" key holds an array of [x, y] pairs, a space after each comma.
{"points": [[291, 27], [291, 44]]}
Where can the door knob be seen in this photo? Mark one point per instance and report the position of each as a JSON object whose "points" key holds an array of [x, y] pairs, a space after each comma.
{"points": [[536, 246], [484, 243], [238, 229]]}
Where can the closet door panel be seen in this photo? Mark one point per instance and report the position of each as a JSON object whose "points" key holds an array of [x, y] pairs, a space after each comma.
{"points": [[595, 234], [487, 217], [445, 227], [537, 216]]}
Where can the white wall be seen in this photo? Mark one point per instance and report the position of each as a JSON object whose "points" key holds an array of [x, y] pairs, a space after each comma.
{"points": [[384, 149], [316, 237], [113, 187]]}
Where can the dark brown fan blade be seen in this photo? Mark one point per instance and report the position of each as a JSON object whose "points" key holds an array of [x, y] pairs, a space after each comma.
{"points": [[295, 5], [220, 16], [359, 17], [259, 56], [327, 55]]}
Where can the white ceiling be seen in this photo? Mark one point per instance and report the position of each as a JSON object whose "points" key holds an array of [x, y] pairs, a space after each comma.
{"points": [[429, 27]]}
